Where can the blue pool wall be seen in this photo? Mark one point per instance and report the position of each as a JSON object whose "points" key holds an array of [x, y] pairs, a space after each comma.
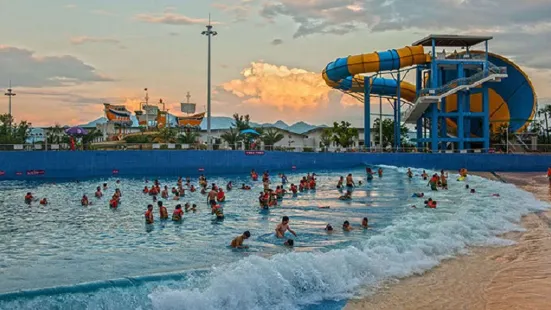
{"points": [[90, 164]]}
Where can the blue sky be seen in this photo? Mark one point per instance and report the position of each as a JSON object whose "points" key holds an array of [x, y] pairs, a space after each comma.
{"points": [[267, 58]]}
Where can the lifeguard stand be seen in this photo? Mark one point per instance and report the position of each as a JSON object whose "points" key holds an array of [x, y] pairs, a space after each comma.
{"points": [[449, 88]]}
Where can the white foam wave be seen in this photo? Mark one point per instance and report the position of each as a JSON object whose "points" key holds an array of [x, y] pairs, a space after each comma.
{"points": [[412, 244]]}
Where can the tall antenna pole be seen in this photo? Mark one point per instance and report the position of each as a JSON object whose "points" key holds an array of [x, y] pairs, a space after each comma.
{"points": [[10, 94], [209, 33], [145, 110]]}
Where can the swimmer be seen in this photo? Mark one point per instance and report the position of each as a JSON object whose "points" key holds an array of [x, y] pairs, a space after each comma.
{"points": [[346, 226], [29, 198], [282, 227], [192, 188], [211, 197], [473, 191], [114, 202], [433, 182], [290, 243], [425, 175], [369, 173], [284, 179], [229, 186], [164, 193], [444, 180], [84, 200], [430, 203], [467, 186], [347, 196], [380, 172], [98, 193], [237, 242], [104, 186], [294, 189], [220, 196], [193, 207], [145, 190], [176, 196], [329, 228], [409, 173], [163, 212], [44, 201], [149, 214], [245, 187], [493, 195], [341, 180], [418, 195], [217, 210], [350, 181], [178, 214], [365, 223]]}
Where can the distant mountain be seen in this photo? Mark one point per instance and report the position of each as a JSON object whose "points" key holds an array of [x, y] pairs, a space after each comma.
{"points": [[221, 122]]}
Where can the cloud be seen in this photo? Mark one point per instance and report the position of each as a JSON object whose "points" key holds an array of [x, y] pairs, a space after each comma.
{"points": [[24, 68], [85, 39], [103, 12], [277, 42], [343, 16], [170, 18], [240, 10]]}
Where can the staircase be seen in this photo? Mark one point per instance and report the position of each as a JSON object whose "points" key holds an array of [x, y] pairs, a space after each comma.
{"points": [[428, 96]]}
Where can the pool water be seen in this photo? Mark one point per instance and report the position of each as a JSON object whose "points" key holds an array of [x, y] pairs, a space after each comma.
{"points": [[80, 250]]}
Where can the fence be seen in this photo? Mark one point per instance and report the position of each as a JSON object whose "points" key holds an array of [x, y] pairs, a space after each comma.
{"points": [[496, 148]]}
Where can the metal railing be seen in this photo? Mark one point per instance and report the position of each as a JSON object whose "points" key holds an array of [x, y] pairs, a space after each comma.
{"points": [[495, 148]]}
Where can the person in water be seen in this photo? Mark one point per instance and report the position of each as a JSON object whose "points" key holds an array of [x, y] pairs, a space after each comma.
{"points": [[346, 196], [149, 214], [329, 228], [44, 201], [409, 173], [433, 182], [282, 227], [237, 242], [178, 214], [245, 187], [217, 210], [380, 172], [418, 195], [290, 243], [163, 212], [346, 226], [365, 223], [29, 198], [229, 186], [341, 181], [220, 196], [369, 173], [425, 175], [350, 181], [430, 204], [98, 193], [84, 201]]}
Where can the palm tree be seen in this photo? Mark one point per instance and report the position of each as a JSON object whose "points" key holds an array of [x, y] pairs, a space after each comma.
{"points": [[188, 137], [167, 135], [232, 137], [56, 135], [271, 136]]}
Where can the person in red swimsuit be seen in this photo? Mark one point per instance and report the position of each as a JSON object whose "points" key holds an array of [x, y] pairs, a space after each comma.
{"points": [[149, 214]]}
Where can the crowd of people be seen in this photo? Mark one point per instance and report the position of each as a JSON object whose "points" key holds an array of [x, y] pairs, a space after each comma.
{"points": [[268, 198]]}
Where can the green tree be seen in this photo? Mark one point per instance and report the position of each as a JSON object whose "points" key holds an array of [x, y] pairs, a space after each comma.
{"points": [[232, 137], [91, 136], [326, 138], [388, 132], [343, 134], [271, 136], [17, 133], [167, 135], [188, 137], [242, 122], [56, 135]]}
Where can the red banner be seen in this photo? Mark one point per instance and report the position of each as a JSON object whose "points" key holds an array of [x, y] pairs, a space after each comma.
{"points": [[19, 173], [35, 172], [115, 171], [201, 169], [254, 152], [294, 167], [2, 172]]}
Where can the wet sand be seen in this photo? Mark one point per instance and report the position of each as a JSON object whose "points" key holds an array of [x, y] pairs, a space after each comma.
{"points": [[513, 277]]}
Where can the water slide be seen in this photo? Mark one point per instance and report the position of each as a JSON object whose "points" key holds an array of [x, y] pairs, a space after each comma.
{"points": [[512, 101]]}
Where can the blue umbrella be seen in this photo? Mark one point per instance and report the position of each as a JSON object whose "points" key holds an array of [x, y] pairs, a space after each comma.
{"points": [[76, 131], [251, 131]]}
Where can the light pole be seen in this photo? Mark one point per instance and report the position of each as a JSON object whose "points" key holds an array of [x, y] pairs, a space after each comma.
{"points": [[209, 33], [10, 94], [145, 110]]}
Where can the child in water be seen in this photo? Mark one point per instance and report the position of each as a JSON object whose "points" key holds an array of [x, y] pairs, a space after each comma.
{"points": [[178, 213], [163, 212], [149, 214], [282, 227], [365, 223]]}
